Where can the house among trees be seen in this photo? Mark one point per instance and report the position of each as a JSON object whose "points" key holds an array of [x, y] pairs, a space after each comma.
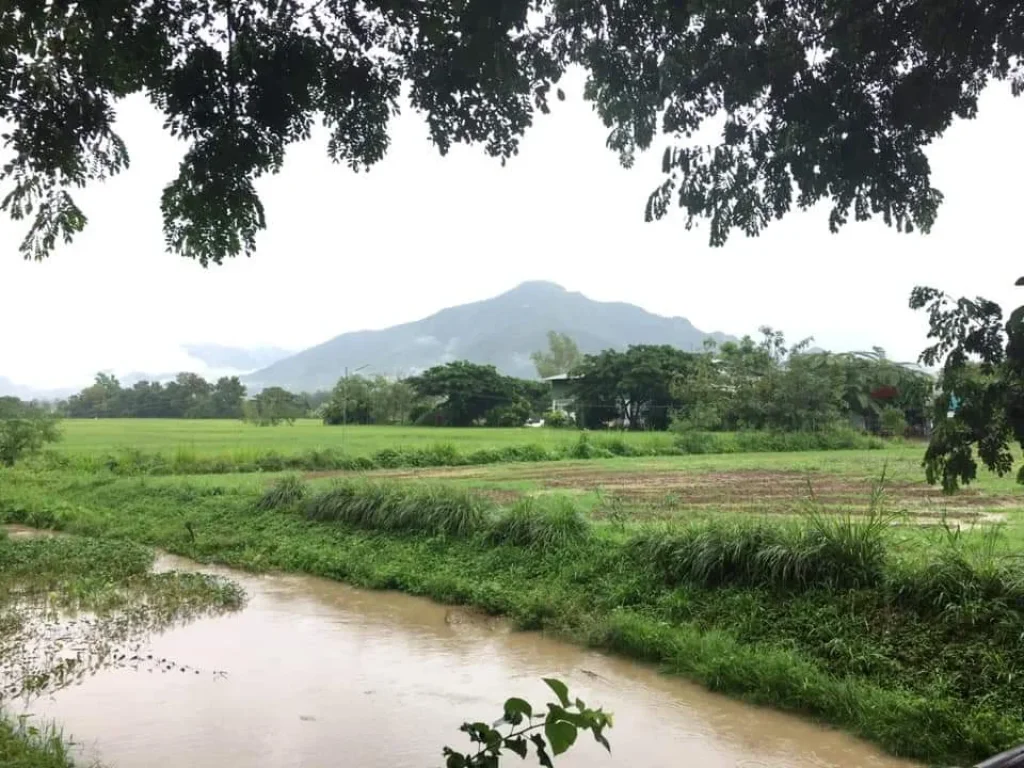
{"points": [[562, 399]]}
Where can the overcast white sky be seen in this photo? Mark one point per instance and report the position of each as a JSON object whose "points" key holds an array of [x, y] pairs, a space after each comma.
{"points": [[419, 232]]}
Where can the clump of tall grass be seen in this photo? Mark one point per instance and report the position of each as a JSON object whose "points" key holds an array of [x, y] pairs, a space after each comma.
{"points": [[820, 551], [284, 494], [430, 509], [964, 579], [552, 523]]}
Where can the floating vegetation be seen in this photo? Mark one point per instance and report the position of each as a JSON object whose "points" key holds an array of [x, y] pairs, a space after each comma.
{"points": [[70, 606]]}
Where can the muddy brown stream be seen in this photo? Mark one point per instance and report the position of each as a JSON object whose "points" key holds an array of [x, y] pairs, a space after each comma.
{"points": [[321, 674]]}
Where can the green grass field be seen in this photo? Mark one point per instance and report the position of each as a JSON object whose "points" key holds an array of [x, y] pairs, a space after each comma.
{"points": [[213, 437], [776, 576]]}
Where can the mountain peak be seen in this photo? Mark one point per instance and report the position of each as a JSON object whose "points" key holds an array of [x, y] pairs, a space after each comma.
{"points": [[537, 288], [502, 331]]}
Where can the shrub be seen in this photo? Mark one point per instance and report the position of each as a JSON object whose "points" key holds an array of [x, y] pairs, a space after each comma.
{"points": [[389, 458], [555, 523], [441, 455], [894, 422], [25, 432], [320, 458], [617, 446], [511, 415], [583, 448], [528, 452], [557, 419], [271, 462], [430, 509], [487, 456], [285, 493]]}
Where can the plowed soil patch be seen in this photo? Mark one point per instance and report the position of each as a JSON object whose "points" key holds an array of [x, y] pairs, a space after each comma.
{"points": [[750, 489], [757, 487]]}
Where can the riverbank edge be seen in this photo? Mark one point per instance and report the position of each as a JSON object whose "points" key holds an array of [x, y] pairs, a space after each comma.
{"points": [[903, 723], [25, 746]]}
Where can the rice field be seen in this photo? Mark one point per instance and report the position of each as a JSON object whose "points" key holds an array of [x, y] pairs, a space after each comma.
{"points": [[216, 437]]}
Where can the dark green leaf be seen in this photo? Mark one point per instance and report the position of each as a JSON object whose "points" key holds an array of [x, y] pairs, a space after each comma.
{"points": [[542, 752], [560, 689], [561, 735], [517, 709], [517, 745]]}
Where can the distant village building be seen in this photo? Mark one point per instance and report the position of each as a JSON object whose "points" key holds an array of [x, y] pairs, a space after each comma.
{"points": [[561, 393]]}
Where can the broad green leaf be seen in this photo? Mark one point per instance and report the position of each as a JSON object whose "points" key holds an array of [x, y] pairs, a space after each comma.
{"points": [[518, 709], [561, 690], [561, 734]]}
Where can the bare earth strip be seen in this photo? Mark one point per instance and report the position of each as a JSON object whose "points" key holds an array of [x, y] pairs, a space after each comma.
{"points": [[741, 490]]}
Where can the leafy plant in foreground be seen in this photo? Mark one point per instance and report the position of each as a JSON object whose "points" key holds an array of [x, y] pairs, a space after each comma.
{"points": [[550, 733], [981, 407]]}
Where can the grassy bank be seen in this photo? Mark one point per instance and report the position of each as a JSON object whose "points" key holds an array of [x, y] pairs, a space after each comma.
{"points": [[913, 639], [25, 746], [182, 447], [44, 585]]}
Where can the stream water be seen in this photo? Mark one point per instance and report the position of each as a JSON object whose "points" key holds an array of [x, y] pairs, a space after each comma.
{"points": [[316, 673]]}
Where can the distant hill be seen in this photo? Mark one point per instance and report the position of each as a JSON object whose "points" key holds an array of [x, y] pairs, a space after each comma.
{"points": [[501, 331], [9, 389]]}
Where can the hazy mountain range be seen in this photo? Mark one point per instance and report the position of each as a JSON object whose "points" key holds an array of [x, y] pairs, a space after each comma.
{"points": [[211, 362], [9, 388], [502, 331]]}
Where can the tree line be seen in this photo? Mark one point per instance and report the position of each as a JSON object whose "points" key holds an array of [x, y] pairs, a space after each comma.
{"points": [[762, 384], [751, 384], [187, 396], [457, 394]]}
